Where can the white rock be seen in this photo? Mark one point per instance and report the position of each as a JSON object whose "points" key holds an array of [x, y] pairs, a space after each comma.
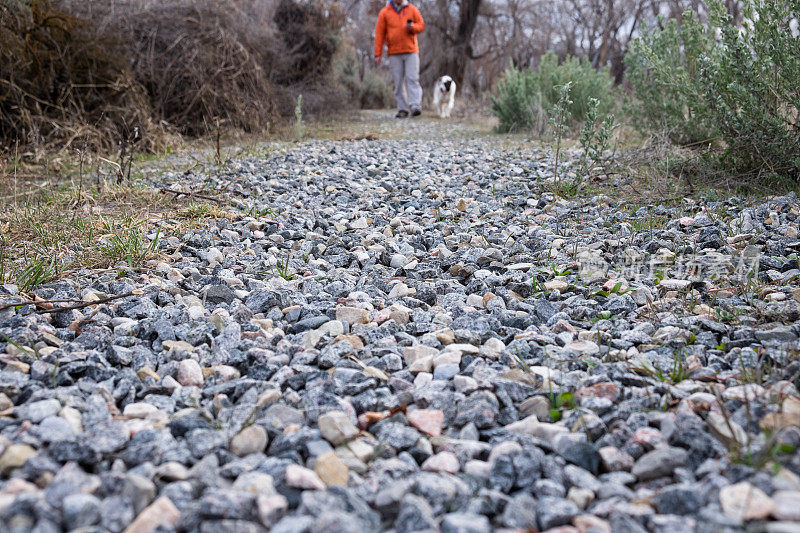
{"points": [[543, 430], [744, 501], [336, 427], [300, 477], [190, 374], [214, 257], [441, 462], [139, 410]]}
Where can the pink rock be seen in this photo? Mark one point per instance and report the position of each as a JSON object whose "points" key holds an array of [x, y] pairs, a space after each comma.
{"points": [[601, 390], [428, 421], [686, 221], [562, 326], [610, 284], [442, 462], [649, 437], [161, 512]]}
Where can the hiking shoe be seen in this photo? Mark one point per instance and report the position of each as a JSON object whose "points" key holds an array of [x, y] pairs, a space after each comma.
{"points": [[416, 112], [401, 114]]}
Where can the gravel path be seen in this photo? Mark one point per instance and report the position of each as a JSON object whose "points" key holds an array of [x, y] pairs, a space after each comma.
{"points": [[411, 335]]}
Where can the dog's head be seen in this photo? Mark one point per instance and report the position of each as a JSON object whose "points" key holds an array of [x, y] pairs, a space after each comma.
{"points": [[445, 82]]}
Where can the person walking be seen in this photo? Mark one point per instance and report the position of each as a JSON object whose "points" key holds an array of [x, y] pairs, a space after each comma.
{"points": [[398, 25]]}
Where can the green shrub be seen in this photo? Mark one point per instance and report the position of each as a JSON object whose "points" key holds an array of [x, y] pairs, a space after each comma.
{"points": [[523, 99], [663, 69], [741, 88]]}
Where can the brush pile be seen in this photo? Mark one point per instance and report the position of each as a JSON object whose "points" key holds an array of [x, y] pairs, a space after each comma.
{"points": [[129, 71]]}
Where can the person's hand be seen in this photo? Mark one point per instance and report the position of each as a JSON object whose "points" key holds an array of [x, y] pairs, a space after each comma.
{"points": [[410, 27], [379, 61]]}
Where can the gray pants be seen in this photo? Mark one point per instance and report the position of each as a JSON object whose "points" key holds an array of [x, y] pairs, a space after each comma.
{"points": [[405, 72]]}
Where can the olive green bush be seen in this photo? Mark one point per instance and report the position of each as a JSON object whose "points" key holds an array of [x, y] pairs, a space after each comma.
{"points": [[731, 90], [523, 99]]}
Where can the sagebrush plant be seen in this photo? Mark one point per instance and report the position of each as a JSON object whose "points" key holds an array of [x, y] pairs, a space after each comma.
{"points": [[523, 98], [596, 137], [560, 115], [735, 87], [663, 70]]}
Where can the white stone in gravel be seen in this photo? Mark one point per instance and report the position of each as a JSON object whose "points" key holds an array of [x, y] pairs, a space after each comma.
{"points": [[170, 384], [412, 353], [441, 462], [124, 327], [744, 501], [750, 392], [642, 296], [139, 410], [787, 505], [727, 430], [447, 357], [559, 285], [401, 290], [190, 374], [462, 349], [583, 348], [423, 364], [580, 496], [214, 257], [492, 348], [254, 483], [478, 469], [398, 261], [352, 315], [300, 477], [465, 384], [614, 459], [38, 411], [538, 406], [177, 346], [474, 300], [271, 508], [73, 417], [506, 447], [334, 328], [336, 427], [531, 426], [423, 378], [674, 284], [172, 471], [252, 439]]}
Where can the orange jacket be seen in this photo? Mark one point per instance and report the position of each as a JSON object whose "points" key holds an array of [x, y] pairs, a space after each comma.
{"points": [[391, 29]]}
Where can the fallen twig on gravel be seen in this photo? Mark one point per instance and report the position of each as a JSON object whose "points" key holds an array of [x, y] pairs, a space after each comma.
{"points": [[39, 303]]}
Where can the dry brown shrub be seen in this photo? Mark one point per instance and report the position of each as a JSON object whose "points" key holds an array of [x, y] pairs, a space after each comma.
{"points": [[109, 73], [63, 84], [201, 61]]}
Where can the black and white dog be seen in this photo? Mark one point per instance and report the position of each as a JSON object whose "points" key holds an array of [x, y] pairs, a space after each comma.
{"points": [[444, 96]]}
